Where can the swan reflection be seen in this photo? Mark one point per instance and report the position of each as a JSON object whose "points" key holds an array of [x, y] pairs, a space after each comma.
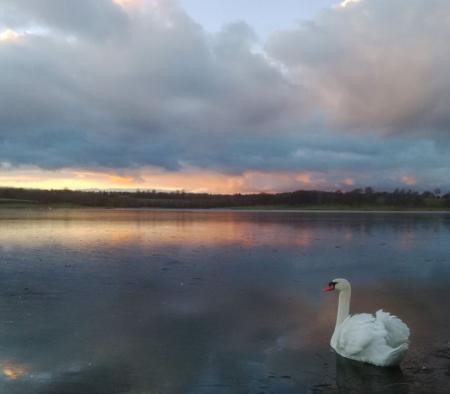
{"points": [[356, 377]]}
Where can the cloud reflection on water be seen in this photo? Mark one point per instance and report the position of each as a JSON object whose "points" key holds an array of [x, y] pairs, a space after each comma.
{"points": [[185, 303]]}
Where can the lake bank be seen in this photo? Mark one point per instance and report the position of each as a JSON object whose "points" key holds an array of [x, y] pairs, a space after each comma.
{"points": [[27, 205]]}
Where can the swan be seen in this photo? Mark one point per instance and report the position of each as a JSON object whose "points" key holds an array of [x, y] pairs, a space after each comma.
{"points": [[381, 339]]}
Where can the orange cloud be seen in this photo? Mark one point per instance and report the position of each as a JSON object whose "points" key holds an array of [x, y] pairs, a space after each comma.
{"points": [[409, 180], [304, 177], [348, 182], [9, 35]]}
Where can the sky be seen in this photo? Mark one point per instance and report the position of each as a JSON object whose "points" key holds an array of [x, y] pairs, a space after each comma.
{"points": [[265, 17], [224, 95]]}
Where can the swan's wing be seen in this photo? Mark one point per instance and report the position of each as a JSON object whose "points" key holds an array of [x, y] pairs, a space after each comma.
{"points": [[381, 340], [357, 332], [397, 331]]}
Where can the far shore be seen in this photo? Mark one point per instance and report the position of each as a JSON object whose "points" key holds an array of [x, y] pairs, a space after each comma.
{"points": [[282, 209], [357, 200]]}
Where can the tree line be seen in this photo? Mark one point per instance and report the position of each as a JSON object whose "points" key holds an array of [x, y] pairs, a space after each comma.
{"points": [[355, 199]]}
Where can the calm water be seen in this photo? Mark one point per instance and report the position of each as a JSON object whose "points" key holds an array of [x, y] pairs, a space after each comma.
{"points": [[96, 301]]}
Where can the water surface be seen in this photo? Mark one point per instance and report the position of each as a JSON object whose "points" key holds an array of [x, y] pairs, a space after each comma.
{"points": [[135, 301]]}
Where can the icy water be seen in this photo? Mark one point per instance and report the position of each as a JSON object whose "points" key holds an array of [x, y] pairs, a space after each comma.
{"points": [[108, 302]]}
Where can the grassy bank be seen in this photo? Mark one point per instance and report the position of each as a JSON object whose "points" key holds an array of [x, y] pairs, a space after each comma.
{"points": [[367, 208], [9, 203]]}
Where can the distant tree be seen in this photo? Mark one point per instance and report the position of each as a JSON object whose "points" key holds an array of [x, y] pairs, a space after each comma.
{"points": [[427, 194]]}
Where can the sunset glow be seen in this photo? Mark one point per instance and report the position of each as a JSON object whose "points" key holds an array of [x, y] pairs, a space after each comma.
{"points": [[193, 180], [9, 35], [409, 180], [347, 3], [128, 4]]}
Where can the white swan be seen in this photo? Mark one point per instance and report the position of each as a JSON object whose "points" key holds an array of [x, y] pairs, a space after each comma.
{"points": [[381, 340]]}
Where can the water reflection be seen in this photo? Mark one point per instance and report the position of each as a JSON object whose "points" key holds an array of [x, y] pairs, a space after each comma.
{"points": [[89, 233], [352, 376], [13, 371], [185, 302]]}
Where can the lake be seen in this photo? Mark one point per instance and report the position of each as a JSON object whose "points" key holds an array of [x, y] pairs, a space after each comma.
{"points": [[196, 302]]}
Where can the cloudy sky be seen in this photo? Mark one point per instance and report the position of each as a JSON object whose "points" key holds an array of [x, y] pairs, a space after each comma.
{"points": [[225, 95]]}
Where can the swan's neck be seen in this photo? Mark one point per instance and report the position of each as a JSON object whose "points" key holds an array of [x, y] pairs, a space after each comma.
{"points": [[344, 305]]}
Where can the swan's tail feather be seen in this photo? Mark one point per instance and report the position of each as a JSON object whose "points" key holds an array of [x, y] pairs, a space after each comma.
{"points": [[397, 331]]}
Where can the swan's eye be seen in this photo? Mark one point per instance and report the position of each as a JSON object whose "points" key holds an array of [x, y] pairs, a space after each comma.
{"points": [[330, 286]]}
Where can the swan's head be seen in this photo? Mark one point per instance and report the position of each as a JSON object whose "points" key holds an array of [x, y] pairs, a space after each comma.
{"points": [[338, 284]]}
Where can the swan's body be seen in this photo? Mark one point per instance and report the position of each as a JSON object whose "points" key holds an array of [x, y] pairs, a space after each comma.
{"points": [[381, 340]]}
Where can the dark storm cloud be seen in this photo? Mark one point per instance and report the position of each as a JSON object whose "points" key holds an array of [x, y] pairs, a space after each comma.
{"points": [[93, 84], [148, 98]]}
